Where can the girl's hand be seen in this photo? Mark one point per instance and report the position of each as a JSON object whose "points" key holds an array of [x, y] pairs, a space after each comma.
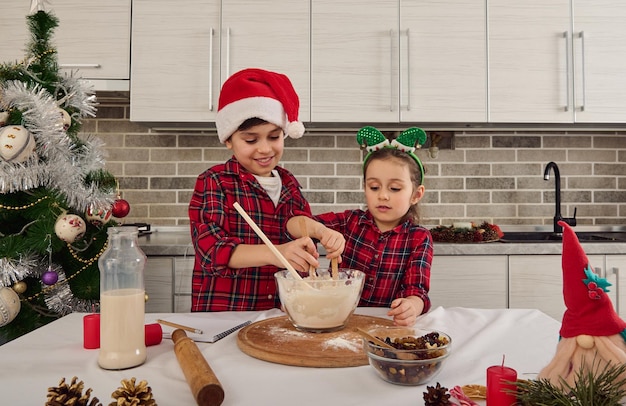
{"points": [[300, 253], [333, 241], [405, 310]]}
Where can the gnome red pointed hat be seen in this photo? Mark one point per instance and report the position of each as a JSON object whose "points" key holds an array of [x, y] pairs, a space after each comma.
{"points": [[258, 93], [589, 309]]}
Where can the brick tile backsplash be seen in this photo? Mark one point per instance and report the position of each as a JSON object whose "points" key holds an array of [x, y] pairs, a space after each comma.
{"points": [[489, 175]]}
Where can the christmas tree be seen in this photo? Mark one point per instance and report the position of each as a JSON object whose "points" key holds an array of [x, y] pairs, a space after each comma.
{"points": [[56, 197]]}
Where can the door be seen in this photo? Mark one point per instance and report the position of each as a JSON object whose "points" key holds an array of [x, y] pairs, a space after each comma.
{"points": [[443, 61], [616, 274], [469, 281], [536, 282], [530, 77], [354, 59], [175, 74], [92, 38], [272, 35], [599, 60]]}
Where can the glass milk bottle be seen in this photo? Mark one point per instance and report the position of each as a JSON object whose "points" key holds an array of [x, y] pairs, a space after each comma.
{"points": [[122, 301]]}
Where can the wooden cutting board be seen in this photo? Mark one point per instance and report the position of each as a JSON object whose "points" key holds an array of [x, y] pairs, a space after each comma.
{"points": [[277, 340]]}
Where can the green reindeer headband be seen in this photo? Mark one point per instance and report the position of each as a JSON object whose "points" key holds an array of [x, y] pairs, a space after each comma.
{"points": [[408, 141]]}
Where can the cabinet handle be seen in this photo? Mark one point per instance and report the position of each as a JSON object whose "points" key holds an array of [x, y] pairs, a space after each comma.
{"points": [[211, 69], [600, 272], [567, 68], [228, 52], [408, 72], [391, 70], [80, 65], [581, 35]]}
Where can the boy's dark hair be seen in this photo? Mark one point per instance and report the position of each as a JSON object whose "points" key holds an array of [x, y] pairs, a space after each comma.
{"points": [[251, 122], [385, 154]]}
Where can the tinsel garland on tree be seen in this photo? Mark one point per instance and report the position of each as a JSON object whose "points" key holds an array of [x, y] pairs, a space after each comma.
{"points": [[55, 194]]}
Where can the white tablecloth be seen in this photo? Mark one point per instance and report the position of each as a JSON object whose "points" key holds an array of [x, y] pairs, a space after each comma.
{"points": [[38, 360]]}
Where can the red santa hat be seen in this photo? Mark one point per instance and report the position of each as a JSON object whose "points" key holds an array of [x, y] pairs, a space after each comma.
{"points": [[589, 309], [257, 93]]}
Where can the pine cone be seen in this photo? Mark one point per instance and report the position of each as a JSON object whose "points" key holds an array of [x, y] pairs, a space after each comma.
{"points": [[130, 394], [72, 395], [436, 396]]}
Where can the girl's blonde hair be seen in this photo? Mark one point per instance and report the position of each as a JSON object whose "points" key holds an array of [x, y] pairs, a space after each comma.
{"points": [[394, 154]]}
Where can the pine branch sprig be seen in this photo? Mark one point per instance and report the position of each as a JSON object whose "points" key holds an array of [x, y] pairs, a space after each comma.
{"points": [[599, 386]]}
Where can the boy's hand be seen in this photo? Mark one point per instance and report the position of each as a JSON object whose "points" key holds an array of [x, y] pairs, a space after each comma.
{"points": [[300, 253]]}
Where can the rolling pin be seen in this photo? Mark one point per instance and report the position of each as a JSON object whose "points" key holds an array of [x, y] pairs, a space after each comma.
{"points": [[205, 386]]}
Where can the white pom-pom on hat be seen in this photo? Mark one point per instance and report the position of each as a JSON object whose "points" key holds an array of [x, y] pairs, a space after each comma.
{"points": [[258, 93], [295, 129]]}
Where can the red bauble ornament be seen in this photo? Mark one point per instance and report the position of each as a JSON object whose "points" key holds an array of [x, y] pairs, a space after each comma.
{"points": [[120, 208]]}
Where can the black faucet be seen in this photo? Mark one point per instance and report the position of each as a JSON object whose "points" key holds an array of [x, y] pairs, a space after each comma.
{"points": [[557, 198]]}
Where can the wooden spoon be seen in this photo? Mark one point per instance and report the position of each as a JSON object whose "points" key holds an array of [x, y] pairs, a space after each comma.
{"points": [[373, 339], [305, 233], [267, 242], [334, 265]]}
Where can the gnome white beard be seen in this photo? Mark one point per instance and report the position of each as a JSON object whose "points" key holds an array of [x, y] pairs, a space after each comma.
{"points": [[583, 353]]}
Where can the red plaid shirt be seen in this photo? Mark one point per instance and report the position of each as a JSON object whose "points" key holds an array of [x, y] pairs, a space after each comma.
{"points": [[396, 263], [217, 228]]}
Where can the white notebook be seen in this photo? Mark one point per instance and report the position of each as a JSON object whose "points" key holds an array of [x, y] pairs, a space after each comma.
{"points": [[212, 329]]}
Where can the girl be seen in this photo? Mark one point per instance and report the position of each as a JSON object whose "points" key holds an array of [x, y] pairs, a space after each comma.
{"points": [[385, 241], [233, 269]]}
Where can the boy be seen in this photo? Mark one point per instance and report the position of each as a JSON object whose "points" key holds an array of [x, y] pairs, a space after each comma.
{"points": [[233, 269]]}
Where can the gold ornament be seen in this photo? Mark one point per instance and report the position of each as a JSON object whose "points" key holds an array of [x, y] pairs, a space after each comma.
{"points": [[20, 287]]}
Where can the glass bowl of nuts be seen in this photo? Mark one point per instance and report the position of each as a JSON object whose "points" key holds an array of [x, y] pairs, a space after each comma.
{"points": [[407, 355]]}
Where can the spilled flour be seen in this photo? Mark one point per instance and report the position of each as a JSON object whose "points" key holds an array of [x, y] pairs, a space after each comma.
{"points": [[343, 343], [280, 334]]}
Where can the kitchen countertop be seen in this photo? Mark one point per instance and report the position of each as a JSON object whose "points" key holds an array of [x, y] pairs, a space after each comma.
{"points": [[176, 241], [167, 241]]}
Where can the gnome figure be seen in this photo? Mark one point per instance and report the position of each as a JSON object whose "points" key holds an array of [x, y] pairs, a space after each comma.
{"points": [[592, 334]]}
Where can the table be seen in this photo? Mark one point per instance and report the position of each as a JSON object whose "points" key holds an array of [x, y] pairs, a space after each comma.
{"points": [[480, 337]]}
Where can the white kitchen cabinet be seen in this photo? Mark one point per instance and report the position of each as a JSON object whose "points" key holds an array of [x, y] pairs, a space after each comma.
{"points": [[443, 61], [599, 59], [183, 272], [616, 274], [556, 62], [478, 281], [183, 52], [158, 283], [536, 282], [92, 38], [368, 65], [354, 61]]}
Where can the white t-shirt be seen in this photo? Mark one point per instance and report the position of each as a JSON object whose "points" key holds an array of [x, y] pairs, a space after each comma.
{"points": [[272, 185]]}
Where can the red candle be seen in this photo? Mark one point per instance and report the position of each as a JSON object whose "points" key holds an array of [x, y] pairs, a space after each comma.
{"points": [[499, 387]]}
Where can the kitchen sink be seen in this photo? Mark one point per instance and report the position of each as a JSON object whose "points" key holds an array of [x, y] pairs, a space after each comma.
{"points": [[549, 236]]}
